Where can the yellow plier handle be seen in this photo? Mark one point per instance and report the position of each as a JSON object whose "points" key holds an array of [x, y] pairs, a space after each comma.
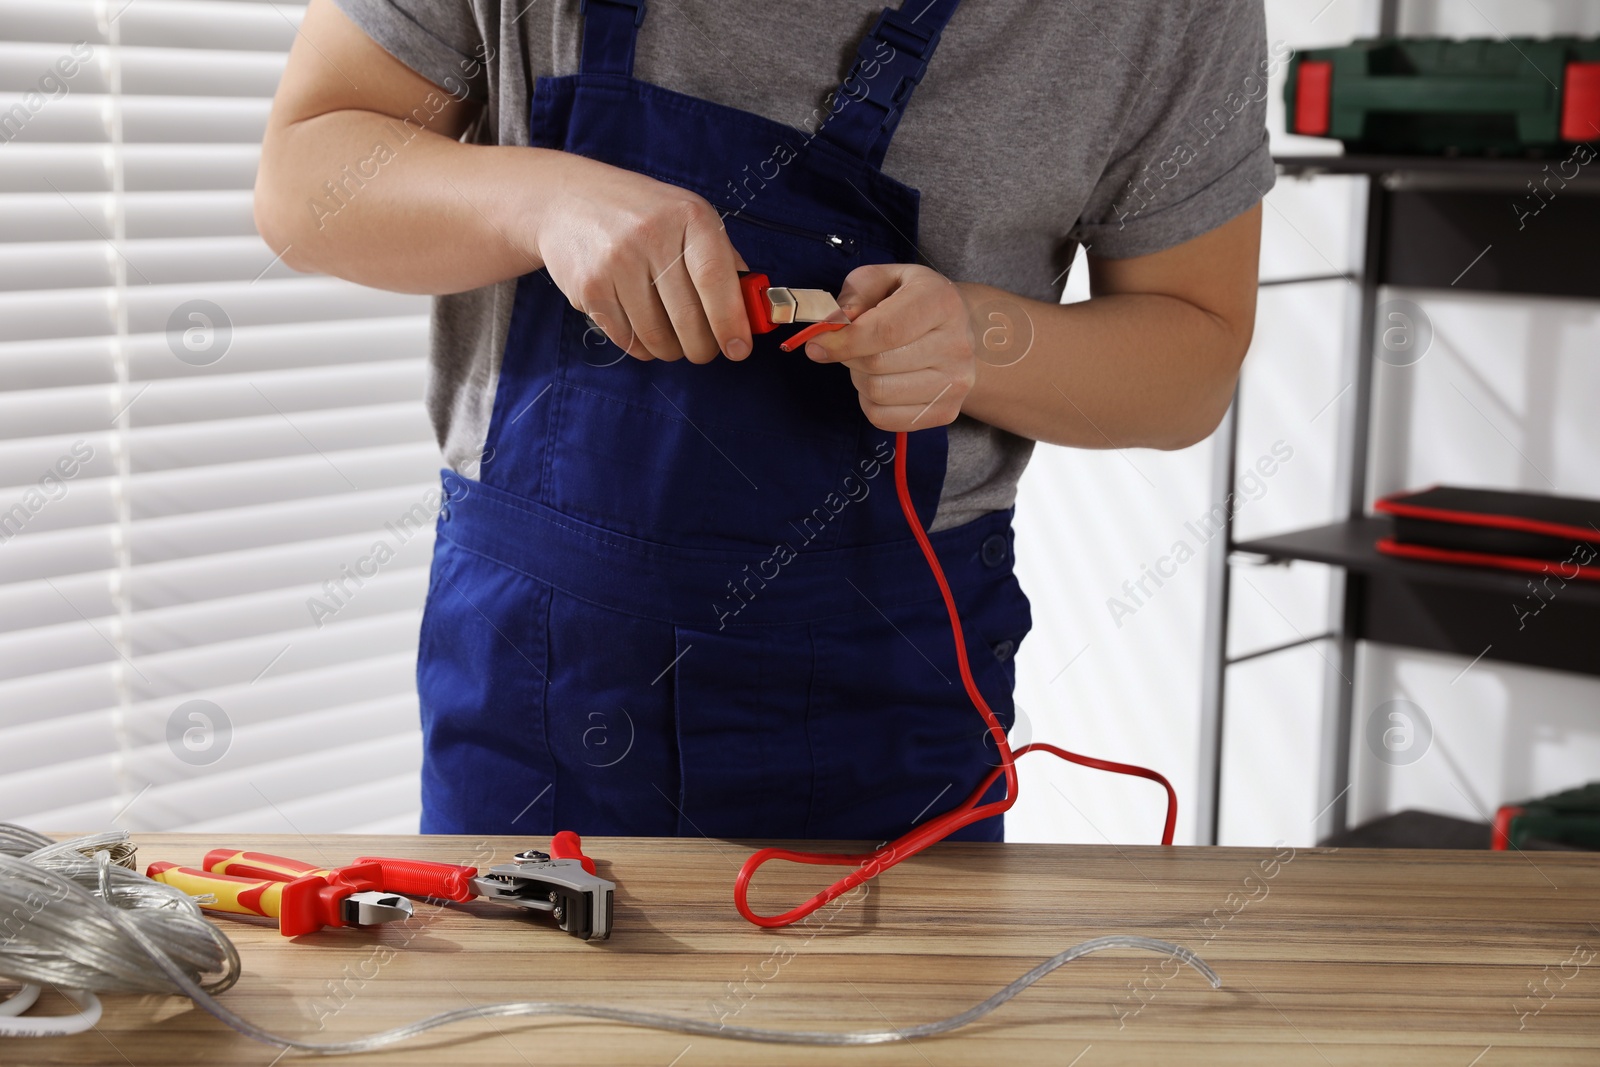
{"points": [[233, 893]]}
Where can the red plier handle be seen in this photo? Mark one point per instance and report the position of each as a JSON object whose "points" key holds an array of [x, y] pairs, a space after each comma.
{"points": [[566, 845], [769, 306], [417, 878], [303, 898]]}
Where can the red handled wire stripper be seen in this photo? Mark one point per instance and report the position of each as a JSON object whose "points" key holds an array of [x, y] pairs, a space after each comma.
{"points": [[561, 882], [770, 306]]}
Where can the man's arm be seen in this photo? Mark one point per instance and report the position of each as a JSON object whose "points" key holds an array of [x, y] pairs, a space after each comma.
{"points": [[363, 176], [348, 113], [1150, 361]]}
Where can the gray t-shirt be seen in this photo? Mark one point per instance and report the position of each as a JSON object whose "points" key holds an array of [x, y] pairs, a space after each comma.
{"points": [[1128, 126]]}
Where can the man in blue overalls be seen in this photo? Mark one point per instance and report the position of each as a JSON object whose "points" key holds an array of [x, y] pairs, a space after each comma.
{"points": [[672, 591]]}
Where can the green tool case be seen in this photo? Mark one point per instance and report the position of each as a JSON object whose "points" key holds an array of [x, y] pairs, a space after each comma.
{"points": [[1428, 96], [1570, 819]]}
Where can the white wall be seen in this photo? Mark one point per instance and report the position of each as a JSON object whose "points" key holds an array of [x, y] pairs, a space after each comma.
{"points": [[1088, 521]]}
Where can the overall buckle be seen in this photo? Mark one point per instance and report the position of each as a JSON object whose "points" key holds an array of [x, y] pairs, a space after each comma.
{"points": [[903, 33]]}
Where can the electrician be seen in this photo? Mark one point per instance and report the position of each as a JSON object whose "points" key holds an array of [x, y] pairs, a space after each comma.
{"points": [[672, 590]]}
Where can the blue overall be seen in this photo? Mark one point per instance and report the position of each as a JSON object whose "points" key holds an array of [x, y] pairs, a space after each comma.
{"points": [[682, 599]]}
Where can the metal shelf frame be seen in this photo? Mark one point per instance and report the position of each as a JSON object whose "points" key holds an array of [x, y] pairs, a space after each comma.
{"points": [[1418, 217]]}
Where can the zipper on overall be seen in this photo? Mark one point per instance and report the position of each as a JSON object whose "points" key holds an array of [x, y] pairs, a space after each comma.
{"points": [[844, 244]]}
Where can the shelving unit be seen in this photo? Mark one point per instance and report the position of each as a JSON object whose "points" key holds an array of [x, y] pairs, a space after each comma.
{"points": [[1430, 223], [1462, 610]]}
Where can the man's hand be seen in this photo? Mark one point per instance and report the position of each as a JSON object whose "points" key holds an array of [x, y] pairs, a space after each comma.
{"points": [[909, 345], [649, 262]]}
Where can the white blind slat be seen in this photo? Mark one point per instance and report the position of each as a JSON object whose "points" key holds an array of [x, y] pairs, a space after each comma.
{"points": [[145, 726], [196, 628], [286, 394], [211, 488], [75, 361], [78, 168], [70, 618], [246, 26], [52, 21], [373, 425], [50, 168], [28, 605], [48, 217], [242, 25], [34, 512], [393, 586], [366, 512], [338, 810], [93, 261], [216, 78], [54, 68], [62, 554], [98, 548], [80, 118], [69, 313], [174, 675], [247, 801], [157, 167], [27, 461], [311, 693]]}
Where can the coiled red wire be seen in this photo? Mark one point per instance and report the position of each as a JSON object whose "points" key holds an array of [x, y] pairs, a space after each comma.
{"points": [[871, 864]]}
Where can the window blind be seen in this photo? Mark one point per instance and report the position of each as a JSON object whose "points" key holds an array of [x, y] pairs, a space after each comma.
{"points": [[217, 481]]}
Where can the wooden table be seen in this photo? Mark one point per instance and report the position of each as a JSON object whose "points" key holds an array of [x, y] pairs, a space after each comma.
{"points": [[1327, 957]]}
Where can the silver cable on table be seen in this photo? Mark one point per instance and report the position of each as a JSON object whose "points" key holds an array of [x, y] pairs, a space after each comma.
{"points": [[66, 914], [115, 928]]}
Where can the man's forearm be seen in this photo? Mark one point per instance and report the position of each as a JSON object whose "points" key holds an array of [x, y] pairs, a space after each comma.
{"points": [[364, 197], [1119, 371]]}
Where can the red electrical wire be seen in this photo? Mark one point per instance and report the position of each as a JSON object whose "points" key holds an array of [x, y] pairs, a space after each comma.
{"points": [[816, 329], [871, 864]]}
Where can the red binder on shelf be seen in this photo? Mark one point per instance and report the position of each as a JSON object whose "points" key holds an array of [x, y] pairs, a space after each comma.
{"points": [[1498, 528]]}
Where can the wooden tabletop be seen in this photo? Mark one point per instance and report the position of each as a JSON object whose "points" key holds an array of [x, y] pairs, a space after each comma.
{"points": [[1327, 957]]}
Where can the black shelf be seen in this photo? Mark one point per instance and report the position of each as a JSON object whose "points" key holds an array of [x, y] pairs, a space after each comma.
{"points": [[1414, 829], [1447, 608], [1476, 224]]}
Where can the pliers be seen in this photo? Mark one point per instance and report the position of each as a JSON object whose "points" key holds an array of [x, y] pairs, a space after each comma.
{"points": [[302, 897]]}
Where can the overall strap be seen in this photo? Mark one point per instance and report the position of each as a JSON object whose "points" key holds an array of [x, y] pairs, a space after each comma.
{"points": [[609, 30], [890, 62]]}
